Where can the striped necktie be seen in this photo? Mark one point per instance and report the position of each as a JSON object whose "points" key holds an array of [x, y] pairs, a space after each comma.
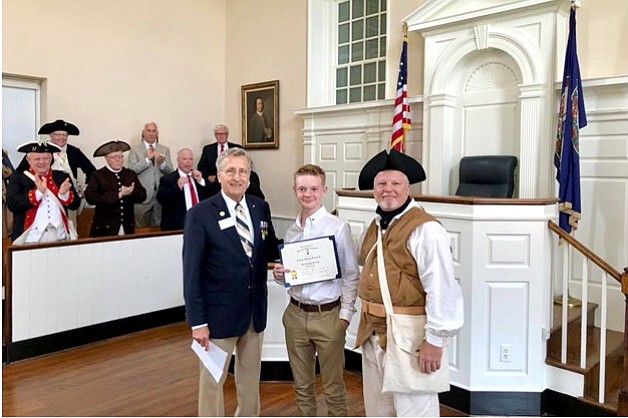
{"points": [[243, 230]]}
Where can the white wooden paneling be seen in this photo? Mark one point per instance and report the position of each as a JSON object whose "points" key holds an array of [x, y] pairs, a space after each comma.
{"points": [[274, 348], [507, 307], [355, 133], [58, 289], [502, 262], [604, 189]]}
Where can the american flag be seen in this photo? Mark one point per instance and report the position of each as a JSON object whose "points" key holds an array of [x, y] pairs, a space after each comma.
{"points": [[401, 118], [571, 117]]}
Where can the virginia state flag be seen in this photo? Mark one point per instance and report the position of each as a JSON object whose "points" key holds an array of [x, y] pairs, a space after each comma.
{"points": [[571, 117]]}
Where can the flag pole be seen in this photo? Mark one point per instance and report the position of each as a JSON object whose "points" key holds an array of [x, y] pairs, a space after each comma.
{"points": [[571, 118], [401, 112], [404, 31]]}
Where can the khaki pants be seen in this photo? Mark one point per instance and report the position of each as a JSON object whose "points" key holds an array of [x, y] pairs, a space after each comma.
{"points": [[380, 404], [308, 334], [248, 351]]}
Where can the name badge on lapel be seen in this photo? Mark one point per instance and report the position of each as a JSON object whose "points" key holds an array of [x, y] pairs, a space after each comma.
{"points": [[226, 223]]}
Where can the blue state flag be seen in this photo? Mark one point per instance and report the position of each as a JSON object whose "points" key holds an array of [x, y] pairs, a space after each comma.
{"points": [[571, 117]]}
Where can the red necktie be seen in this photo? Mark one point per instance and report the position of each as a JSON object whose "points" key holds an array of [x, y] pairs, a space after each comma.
{"points": [[222, 148], [192, 191]]}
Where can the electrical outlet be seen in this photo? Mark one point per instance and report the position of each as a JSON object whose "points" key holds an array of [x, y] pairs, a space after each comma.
{"points": [[505, 353]]}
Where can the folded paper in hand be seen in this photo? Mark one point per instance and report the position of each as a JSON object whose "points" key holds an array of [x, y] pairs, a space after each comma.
{"points": [[214, 359]]}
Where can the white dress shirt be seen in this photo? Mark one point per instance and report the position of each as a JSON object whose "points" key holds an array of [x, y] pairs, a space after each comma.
{"points": [[321, 224], [148, 160], [186, 188], [430, 246], [231, 204]]}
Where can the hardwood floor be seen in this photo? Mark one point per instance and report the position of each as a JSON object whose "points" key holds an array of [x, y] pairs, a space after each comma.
{"points": [[149, 373]]}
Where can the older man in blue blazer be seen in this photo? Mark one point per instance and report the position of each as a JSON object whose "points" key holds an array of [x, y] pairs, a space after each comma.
{"points": [[228, 240]]}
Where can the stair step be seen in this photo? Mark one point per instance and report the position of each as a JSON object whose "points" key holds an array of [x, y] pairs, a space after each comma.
{"points": [[614, 355], [573, 315], [611, 409], [614, 341], [614, 363]]}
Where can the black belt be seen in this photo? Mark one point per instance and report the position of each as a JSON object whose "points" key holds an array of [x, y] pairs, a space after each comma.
{"points": [[316, 308]]}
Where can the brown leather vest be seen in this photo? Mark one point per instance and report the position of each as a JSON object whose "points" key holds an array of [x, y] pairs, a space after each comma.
{"points": [[401, 271]]}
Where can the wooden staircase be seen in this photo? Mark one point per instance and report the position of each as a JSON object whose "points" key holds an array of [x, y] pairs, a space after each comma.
{"points": [[591, 373]]}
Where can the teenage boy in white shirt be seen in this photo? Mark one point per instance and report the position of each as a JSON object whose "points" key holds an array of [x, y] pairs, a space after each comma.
{"points": [[319, 313]]}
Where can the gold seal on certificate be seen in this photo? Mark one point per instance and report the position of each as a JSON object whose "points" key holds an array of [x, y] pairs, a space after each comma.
{"points": [[309, 261]]}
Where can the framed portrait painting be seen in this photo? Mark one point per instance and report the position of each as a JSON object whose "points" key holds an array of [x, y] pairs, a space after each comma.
{"points": [[260, 115]]}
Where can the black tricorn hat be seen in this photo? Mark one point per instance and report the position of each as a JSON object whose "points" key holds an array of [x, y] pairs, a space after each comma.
{"points": [[390, 161], [39, 147], [111, 146], [58, 125]]}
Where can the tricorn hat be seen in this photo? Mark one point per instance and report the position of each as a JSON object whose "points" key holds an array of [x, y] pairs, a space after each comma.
{"points": [[111, 146], [390, 161], [39, 147], [58, 125]]}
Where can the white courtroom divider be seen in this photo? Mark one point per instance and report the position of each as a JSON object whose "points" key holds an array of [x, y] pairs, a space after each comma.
{"points": [[62, 288]]}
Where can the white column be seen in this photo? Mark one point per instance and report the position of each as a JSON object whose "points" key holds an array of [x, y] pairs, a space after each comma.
{"points": [[310, 152], [437, 147], [530, 136]]}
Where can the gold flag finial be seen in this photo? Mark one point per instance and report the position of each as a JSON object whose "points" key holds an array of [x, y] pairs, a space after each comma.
{"points": [[404, 28]]}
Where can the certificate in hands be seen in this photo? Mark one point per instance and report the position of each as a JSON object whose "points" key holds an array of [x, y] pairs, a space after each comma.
{"points": [[309, 261]]}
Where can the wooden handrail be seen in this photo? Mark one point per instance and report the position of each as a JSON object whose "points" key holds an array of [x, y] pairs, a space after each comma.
{"points": [[622, 278], [585, 251]]}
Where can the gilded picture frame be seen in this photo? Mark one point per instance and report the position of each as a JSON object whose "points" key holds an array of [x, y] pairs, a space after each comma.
{"points": [[260, 115]]}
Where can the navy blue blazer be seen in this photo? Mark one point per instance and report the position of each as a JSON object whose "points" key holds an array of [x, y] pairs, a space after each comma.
{"points": [[207, 162], [222, 287], [172, 199]]}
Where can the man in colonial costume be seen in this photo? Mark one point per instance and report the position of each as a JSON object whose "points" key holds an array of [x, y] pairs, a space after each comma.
{"points": [[407, 277], [39, 198], [114, 190], [69, 158]]}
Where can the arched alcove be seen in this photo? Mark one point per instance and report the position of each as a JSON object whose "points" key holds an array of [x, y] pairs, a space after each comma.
{"points": [[487, 108], [488, 88]]}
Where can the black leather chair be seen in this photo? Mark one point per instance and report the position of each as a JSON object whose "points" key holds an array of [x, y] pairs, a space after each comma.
{"points": [[487, 176]]}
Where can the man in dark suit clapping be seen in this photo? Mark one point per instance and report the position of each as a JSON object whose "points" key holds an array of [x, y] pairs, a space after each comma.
{"points": [[181, 190], [228, 239], [207, 163]]}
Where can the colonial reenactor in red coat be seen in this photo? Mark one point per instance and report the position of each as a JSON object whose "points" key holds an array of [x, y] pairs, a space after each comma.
{"points": [[114, 190], [69, 158], [39, 198]]}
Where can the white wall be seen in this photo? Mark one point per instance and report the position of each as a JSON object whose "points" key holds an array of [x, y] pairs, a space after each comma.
{"points": [[111, 65]]}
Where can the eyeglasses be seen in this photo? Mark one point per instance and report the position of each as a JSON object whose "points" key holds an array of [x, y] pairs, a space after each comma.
{"points": [[63, 135], [115, 157], [222, 133], [232, 172]]}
